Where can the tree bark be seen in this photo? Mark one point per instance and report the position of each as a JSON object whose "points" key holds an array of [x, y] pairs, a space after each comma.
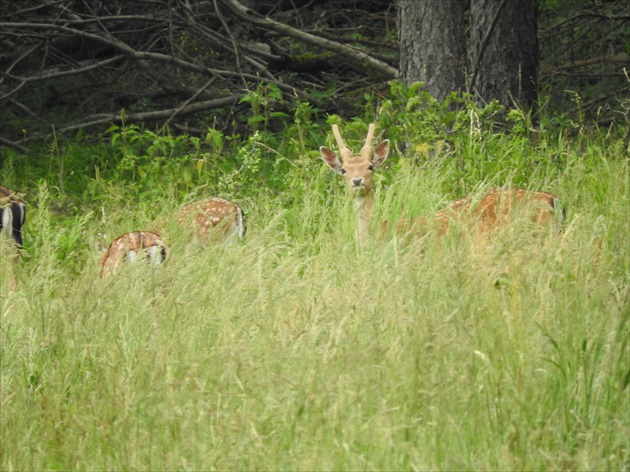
{"points": [[504, 52], [432, 44]]}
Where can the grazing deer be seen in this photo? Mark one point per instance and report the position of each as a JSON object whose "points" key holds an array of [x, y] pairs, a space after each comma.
{"points": [[357, 172], [12, 218], [12, 215], [130, 246], [214, 219], [489, 212]]}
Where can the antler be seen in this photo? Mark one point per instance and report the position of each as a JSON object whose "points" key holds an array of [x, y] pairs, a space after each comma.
{"points": [[343, 149], [370, 135], [366, 150]]}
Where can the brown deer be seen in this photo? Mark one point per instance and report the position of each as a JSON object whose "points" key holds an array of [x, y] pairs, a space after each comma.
{"points": [[357, 172], [12, 219], [130, 246], [497, 206], [214, 219], [487, 212], [12, 215]]}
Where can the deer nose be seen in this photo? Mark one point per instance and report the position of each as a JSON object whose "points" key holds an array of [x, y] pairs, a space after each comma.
{"points": [[357, 182]]}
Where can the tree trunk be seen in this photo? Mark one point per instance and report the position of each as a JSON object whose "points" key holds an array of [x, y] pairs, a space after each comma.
{"points": [[504, 51], [432, 45]]}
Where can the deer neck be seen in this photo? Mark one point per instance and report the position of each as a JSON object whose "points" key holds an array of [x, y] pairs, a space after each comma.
{"points": [[363, 205]]}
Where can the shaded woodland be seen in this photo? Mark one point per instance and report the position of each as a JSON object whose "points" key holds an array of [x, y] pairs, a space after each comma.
{"points": [[73, 66]]}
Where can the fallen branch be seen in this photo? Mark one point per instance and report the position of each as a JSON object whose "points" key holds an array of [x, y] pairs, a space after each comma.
{"points": [[119, 118], [611, 59], [13, 145], [350, 52]]}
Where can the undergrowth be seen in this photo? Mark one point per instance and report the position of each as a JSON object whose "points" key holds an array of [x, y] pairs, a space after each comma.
{"points": [[296, 350]]}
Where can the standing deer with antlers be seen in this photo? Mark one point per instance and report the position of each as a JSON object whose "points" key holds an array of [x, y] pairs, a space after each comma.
{"points": [[131, 246], [357, 172], [485, 213], [214, 219]]}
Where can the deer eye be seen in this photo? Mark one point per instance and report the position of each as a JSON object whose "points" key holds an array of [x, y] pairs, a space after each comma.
{"points": [[371, 168], [343, 171]]}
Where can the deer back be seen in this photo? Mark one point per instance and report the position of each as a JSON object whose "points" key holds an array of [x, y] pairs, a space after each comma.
{"points": [[131, 246], [499, 206], [214, 219]]}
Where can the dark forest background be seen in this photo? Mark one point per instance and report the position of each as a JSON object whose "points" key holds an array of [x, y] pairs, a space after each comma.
{"points": [[73, 66]]}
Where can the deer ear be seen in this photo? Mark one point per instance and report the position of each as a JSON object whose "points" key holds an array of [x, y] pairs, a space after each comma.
{"points": [[331, 159], [380, 153]]}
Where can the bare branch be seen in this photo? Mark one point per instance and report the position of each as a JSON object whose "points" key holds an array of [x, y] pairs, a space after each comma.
{"points": [[13, 145], [55, 75], [609, 59], [106, 118], [251, 16], [126, 49], [187, 103]]}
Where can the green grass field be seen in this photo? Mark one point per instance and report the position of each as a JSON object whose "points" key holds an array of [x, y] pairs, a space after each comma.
{"points": [[297, 351]]}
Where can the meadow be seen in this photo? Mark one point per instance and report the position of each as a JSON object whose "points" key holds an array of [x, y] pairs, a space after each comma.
{"points": [[298, 350]]}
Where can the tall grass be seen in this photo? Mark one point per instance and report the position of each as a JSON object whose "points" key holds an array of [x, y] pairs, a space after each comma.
{"points": [[297, 351]]}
